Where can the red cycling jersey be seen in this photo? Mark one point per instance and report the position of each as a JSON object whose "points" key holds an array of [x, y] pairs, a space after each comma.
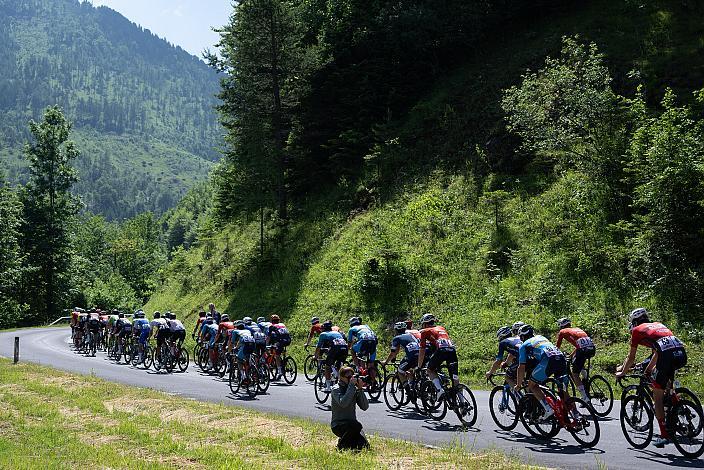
{"points": [[437, 336], [226, 326], [647, 334], [573, 336], [318, 328]]}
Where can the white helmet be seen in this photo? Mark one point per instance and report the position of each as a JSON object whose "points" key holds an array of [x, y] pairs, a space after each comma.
{"points": [[563, 322], [638, 314]]}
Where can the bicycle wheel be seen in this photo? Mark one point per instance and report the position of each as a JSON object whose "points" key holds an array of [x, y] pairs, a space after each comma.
{"points": [[636, 418], [628, 391], [585, 429], [148, 356], [601, 396], [465, 405], [310, 367], [183, 360], [393, 392], [220, 367], [503, 406], [684, 422], [251, 383], [234, 380], [531, 414], [168, 358], [156, 359], [686, 394], [134, 356], [374, 387], [263, 377], [290, 370], [93, 345], [203, 359], [319, 388], [436, 409]]}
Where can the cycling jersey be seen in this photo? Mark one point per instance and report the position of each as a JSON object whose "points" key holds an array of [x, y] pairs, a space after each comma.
{"points": [[123, 326], [257, 333], [159, 323], [244, 340], [647, 334], [104, 319], [510, 346], [112, 319], [278, 333], [224, 328], [538, 347], [576, 337], [414, 333], [406, 341], [209, 332], [318, 328], [437, 337], [330, 339], [360, 332]]}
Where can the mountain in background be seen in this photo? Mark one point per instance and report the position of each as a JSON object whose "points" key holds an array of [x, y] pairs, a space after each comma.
{"points": [[142, 108]]}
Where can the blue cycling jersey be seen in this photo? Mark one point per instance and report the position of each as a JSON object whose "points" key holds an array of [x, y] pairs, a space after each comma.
{"points": [[361, 332], [510, 346], [141, 324], [537, 348], [328, 339], [244, 336], [408, 342], [257, 333]]}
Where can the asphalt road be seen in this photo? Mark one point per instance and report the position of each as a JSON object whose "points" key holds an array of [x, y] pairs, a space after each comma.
{"points": [[51, 347]]}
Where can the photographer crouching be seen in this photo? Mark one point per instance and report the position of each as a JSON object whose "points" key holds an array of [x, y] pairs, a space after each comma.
{"points": [[346, 397]]}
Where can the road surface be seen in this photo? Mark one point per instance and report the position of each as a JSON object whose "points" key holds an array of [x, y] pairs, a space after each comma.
{"points": [[51, 347]]}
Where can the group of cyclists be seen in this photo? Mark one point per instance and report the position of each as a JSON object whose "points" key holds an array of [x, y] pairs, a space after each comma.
{"points": [[114, 331], [528, 359]]}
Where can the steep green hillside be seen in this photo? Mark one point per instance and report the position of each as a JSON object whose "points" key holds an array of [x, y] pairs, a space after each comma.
{"points": [[453, 219], [142, 108]]}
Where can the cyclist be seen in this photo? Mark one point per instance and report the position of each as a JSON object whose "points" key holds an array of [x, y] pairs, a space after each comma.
{"points": [[403, 338], [443, 351], [669, 355], [177, 333], [223, 334], [74, 320], [583, 349], [104, 319], [515, 327], [199, 323], [160, 329], [508, 347], [550, 362], [257, 333], [279, 337], [142, 330], [264, 326], [93, 326], [336, 345], [123, 328], [242, 341], [208, 332], [362, 341]]}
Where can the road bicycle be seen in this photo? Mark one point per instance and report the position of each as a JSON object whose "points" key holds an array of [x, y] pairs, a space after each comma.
{"points": [[684, 418], [310, 367], [290, 369], [503, 403], [599, 391], [570, 413], [170, 355], [145, 358], [459, 398], [247, 376]]}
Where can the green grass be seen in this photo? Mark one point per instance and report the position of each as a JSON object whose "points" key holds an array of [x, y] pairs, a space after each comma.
{"points": [[52, 419]]}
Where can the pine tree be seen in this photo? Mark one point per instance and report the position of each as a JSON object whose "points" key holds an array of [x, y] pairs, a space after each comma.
{"points": [[10, 256], [49, 211]]}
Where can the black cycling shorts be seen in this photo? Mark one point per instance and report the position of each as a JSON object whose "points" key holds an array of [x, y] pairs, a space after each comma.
{"points": [[447, 356], [668, 362], [512, 370], [408, 362], [179, 336], [580, 357], [336, 355], [162, 335]]}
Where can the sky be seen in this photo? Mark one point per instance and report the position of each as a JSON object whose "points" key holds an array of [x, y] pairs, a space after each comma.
{"points": [[185, 23]]}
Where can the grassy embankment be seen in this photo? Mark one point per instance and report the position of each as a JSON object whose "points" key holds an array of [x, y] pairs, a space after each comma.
{"points": [[52, 419], [434, 242]]}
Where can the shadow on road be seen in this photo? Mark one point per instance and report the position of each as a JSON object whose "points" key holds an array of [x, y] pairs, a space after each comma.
{"points": [[554, 445], [674, 460]]}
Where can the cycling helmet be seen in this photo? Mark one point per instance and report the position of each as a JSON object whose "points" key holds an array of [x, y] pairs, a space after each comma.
{"points": [[327, 325], [516, 326], [526, 332], [275, 318], [503, 333], [400, 326], [314, 321], [239, 324], [427, 318], [202, 314], [247, 320], [261, 319], [355, 321], [120, 315], [157, 314], [638, 314], [224, 318], [564, 322], [139, 315], [173, 316], [209, 321]]}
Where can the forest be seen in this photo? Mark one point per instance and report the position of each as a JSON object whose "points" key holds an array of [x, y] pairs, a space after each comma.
{"points": [[142, 109]]}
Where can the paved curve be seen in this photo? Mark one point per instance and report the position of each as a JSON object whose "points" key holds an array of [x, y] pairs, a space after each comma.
{"points": [[51, 346]]}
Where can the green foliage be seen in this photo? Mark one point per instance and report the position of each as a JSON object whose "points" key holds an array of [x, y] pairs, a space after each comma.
{"points": [[667, 154], [11, 257], [48, 213], [112, 292], [142, 108]]}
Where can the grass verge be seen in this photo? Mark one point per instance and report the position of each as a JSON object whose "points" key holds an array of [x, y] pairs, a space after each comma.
{"points": [[53, 419]]}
